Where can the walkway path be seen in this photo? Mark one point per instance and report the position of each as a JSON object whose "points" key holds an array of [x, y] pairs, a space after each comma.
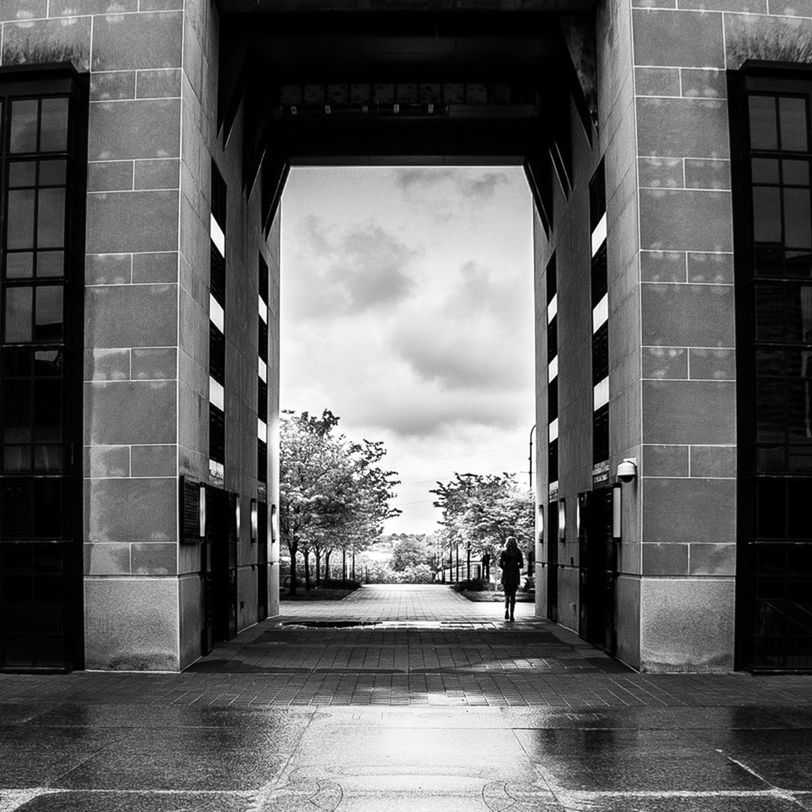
{"points": [[493, 717]]}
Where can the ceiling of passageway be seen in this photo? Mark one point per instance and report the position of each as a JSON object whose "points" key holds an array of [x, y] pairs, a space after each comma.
{"points": [[392, 81]]}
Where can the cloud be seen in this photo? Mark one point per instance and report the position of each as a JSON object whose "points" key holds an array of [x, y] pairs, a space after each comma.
{"points": [[469, 337], [441, 190], [349, 271]]}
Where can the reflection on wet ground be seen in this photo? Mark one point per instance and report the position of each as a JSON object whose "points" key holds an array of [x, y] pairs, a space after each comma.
{"points": [[521, 718]]}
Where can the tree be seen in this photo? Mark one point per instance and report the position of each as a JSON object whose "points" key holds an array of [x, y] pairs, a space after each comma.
{"points": [[411, 550], [332, 492], [481, 511]]}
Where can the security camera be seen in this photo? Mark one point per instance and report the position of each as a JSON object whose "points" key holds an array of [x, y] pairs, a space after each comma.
{"points": [[627, 470]]}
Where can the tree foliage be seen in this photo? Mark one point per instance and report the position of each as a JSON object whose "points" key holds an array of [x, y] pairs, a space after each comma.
{"points": [[483, 510], [412, 550], [332, 492]]}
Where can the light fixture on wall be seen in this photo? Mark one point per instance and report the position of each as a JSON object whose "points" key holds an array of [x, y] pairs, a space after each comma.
{"points": [[237, 516], [562, 519], [627, 470], [202, 511], [617, 511], [254, 520]]}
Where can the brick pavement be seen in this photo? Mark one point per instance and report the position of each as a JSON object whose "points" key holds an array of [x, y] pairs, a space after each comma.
{"points": [[411, 646]]}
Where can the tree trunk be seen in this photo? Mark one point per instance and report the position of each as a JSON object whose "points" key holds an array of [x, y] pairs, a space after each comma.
{"points": [[327, 563], [306, 555], [293, 548], [317, 559]]}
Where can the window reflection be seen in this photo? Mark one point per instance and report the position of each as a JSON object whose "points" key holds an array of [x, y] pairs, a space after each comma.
{"points": [[23, 136], [18, 314], [22, 173], [51, 218], [54, 125], [763, 123], [48, 321], [20, 231], [766, 214], [797, 218], [20, 265], [50, 263], [794, 135]]}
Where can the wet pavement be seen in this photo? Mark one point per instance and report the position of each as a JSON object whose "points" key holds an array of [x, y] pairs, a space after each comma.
{"points": [[415, 700]]}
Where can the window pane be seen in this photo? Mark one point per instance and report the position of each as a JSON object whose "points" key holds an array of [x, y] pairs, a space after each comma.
{"points": [[16, 458], [47, 410], [22, 173], [769, 313], [54, 128], [48, 363], [18, 315], [766, 214], [48, 517], [799, 264], [806, 314], [51, 218], [15, 508], [17, 363], [51, 263], [800, 459], [765, 170], [20, 219], [48, 458], [800, 516], [23, 126], [763, 123], [19, 266], [48, 321], [771, 459], [797, 218], [771, 512], [794, 134], [17, 412], [796, 173], [770, 408], [769, 362], [53, 173], [798, 411], [769, 261]]}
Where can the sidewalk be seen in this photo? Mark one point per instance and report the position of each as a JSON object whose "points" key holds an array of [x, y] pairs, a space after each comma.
{"points": [[435, 704]]}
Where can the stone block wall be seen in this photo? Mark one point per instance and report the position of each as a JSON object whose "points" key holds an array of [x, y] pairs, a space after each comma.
{"points": [[665, 133], [152, 134], [688, 380]]}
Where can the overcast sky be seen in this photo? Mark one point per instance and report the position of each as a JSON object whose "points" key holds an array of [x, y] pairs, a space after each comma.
{"points": [[407, 310]]}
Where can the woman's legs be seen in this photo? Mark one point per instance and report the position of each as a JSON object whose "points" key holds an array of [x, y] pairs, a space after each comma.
{"points": [[510, 601]]}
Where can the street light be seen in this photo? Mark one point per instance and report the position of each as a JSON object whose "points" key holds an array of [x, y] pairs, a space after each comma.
{"points": [[530, 458]]}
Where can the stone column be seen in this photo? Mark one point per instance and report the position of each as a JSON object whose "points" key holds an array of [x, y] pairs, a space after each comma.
{"points": [[688, 320]]}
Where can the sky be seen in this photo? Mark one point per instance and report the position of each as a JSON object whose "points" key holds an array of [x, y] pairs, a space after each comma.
{"points": [[407, 310]]}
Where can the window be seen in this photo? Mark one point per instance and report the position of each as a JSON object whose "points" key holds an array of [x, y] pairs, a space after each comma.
{"points": [[42, 202], [773, 226]]}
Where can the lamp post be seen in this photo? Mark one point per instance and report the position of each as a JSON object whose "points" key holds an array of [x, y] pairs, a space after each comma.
{"points": [[530, 458]]}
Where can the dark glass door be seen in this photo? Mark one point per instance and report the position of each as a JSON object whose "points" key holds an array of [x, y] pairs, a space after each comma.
{"points": [[552, 561], [598, 572], [219, 568]]}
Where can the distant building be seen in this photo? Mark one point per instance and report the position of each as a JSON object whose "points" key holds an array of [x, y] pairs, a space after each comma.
{"points": [[143, 151]]}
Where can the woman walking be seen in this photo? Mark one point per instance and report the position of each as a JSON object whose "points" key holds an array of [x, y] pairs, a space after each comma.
{"points": [[511, 562]]}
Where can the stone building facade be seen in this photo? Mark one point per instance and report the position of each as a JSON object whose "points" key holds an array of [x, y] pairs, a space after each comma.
{"points": [[143, 150]]}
